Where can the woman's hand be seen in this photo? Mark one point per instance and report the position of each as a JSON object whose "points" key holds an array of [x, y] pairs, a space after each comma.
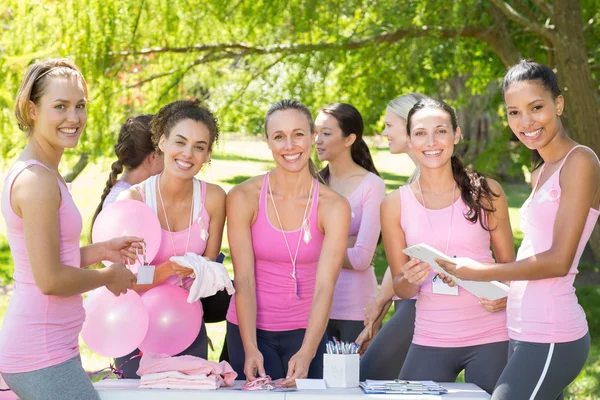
{"points": [[182, 272], [372, 312], [493, 305], [123, 249], [416, 272], [121, 279], [463, 268], [254, 365], [297, 367], [365, 338]]}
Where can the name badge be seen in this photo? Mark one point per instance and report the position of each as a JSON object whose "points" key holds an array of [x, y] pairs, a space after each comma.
{"points": [[145, 274], [439, 287]]}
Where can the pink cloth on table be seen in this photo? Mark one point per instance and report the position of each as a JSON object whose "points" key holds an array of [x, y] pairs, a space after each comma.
{"points": [[356, 287], [39, 330], [448, 320], [222, 372], [178, 380], [547, 310]]}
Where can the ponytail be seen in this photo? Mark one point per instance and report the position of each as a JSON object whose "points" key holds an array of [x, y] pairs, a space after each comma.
{"points": [[362, 156], [475, 192], [116, 170]]}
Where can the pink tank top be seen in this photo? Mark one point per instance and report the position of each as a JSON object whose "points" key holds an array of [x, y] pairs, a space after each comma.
{"points": [[200, 221], [277, 306], [546, 310], [447, 320], [39, 331], [355, 288]]}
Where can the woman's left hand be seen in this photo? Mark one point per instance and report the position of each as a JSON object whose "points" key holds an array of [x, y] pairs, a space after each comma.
{"points": [[463, 268], [297, 367], [123, 249], [493, 305]]}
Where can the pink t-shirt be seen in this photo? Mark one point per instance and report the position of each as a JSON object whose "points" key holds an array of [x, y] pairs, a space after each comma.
{"points": [[39, 331], [546, 310], [277, 306], [448, 320], [355, 288]]}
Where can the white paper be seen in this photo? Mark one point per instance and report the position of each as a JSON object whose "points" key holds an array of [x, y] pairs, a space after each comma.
{"points": [[145, 275], [310, 384], [488, 290], [439, 287]]}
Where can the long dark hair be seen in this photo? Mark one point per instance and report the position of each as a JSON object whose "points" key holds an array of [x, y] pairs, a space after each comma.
{"points": [[289, 104], [529, 70], [350, 122], [133, 146], [475, 191]]}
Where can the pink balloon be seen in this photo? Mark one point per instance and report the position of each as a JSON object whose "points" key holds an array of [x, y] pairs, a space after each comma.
{"points": [[174, 323], [129, 218], [114, 326]]}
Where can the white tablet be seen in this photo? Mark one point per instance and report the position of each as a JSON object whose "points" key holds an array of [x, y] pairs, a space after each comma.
{"points": [[488, 290]]}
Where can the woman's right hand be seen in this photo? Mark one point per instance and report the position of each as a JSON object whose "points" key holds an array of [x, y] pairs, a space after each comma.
{"points": [[372, 312], [121, 279], [254, 365], [416, 272]]}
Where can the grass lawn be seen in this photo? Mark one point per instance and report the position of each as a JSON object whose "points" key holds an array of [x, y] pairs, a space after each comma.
{"points": [[236, 160]]}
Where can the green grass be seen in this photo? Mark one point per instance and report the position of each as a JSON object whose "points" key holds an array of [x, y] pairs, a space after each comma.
{"points": [[233, 162]]}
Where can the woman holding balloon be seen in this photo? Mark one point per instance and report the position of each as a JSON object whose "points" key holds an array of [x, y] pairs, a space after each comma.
{"points": [[39, 352], [191, 215]]}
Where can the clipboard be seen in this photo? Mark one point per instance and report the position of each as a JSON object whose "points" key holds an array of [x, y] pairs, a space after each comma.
{"points": [[488, 290]]}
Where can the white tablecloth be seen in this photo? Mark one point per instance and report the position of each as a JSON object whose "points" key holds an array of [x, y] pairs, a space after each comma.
{"points": [[126, 389]]}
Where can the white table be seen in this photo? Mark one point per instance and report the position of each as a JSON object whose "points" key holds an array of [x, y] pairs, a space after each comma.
{"points": [[126, 389]]}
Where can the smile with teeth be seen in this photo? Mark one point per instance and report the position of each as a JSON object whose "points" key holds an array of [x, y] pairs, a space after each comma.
{"points": [[68, 131], [292, 157], [532, 133], [432, 152], [184, 164]]}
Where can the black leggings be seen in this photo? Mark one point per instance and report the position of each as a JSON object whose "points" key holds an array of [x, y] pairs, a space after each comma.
{"points": [[344, 330], [277, 348]]}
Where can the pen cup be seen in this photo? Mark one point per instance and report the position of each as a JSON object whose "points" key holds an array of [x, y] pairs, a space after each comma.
{"points": [[341, 370]]}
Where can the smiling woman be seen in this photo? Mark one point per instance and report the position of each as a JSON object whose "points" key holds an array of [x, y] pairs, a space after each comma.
{"points": [[287, 234]]}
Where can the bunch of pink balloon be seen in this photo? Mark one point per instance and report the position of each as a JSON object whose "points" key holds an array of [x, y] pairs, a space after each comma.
{"points": [[114, 326], [174, 323]]}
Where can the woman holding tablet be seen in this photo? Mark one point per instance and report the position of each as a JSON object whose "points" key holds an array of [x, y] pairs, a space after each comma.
{"points": [[460, 213], [549, 339]]}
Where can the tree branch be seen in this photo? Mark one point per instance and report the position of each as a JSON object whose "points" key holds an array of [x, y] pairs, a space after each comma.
{"points": [[544, 7], [524, 9], [512, 14]]}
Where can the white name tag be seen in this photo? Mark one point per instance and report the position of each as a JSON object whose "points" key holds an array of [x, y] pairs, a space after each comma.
{"points": [[145, 274], [439, 287]]}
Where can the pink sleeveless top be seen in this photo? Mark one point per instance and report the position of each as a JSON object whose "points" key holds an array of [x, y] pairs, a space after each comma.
{"points": [[546, 310], [355, 288], [39, 331], [447, 320], [277, 306], [200, 221]]}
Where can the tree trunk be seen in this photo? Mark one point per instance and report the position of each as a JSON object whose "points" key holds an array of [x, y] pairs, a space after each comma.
{"points": [[78, 168], [581, 105]]}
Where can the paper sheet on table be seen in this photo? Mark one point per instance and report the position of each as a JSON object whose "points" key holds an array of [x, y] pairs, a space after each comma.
{"points": [[488, 290]]}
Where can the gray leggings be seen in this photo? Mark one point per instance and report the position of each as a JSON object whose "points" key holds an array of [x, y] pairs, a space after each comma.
{"points": [[385, 356], [541, 370], [344, 330], [482, 364], [65, 381]]}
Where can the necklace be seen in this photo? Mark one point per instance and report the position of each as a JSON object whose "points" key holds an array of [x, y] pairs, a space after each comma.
{"points": [[429, 220], [169, 227], [304, 224]]}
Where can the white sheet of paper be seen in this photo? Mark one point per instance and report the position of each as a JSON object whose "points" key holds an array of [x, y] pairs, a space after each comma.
{"points": [[439, 287], [145, 274], [488, 290], [310, 384]]}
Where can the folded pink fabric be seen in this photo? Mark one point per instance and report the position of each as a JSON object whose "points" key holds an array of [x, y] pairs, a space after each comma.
{"points": [[178, 380], [222, 372]]}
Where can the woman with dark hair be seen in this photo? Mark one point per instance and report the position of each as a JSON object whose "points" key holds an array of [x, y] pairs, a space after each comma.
{"points": [[287, 234], [191, 212], [463, 214], [137, 159], [549, 338], [351, 173]]}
